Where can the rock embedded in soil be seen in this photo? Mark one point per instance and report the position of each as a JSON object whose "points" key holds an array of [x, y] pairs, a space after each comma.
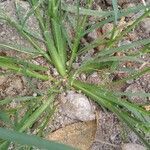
{"points": [[145, 82], [145, 25], [107, 28], [3, 79], [94, 78], [93, 35], [15, 87], [130, 146], [136, 88], [87, 56], [77, 106], [143, 30], [75, 65]]}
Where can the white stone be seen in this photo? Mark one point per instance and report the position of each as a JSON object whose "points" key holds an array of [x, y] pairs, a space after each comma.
{"points": [[78, 107]]}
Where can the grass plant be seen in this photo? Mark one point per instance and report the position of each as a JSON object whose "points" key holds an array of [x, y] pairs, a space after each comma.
{"points": [[61, 52]]}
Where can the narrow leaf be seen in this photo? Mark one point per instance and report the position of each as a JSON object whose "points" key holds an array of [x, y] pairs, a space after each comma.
{"points": [[19, 48]]}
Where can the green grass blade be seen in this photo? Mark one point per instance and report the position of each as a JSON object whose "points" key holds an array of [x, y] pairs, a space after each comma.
{"points": [[97, 13], [84, 11], [129, 121], [130, 94], [30, 39], [92, 45], [54, 54], [19, 48], [56, 26], [5, 118], [133, 25], [46, 120], [110, 97], [115, 7], [138, 43], [122, 13], [66, 36], [59, 40], [25, 139], [25, 117], [120, 59], [80, 28], [134, 75], [101, 63], [36, 114], [17, 61], [20, 16], [17, 99], [33, 34], [23, 70], [106, 99], [94, 66], [19, 11], [4, 145], [31, 11]]}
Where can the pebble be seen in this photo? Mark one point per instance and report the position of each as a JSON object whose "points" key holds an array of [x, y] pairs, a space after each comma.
{"points": [[107, 28], [17, 84], [83, 76], [130, 81], [34, 94], [55, 72], [93, 35], [2, 79], [77, 106], [94, 78], [145, 82], [88, 55], [75, 65], [130, 146], [136, 88], [2, 33], [132, 36], [145, 25]]}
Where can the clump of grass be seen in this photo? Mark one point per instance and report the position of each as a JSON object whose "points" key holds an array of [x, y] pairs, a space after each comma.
{"points": [[61, 52]]}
